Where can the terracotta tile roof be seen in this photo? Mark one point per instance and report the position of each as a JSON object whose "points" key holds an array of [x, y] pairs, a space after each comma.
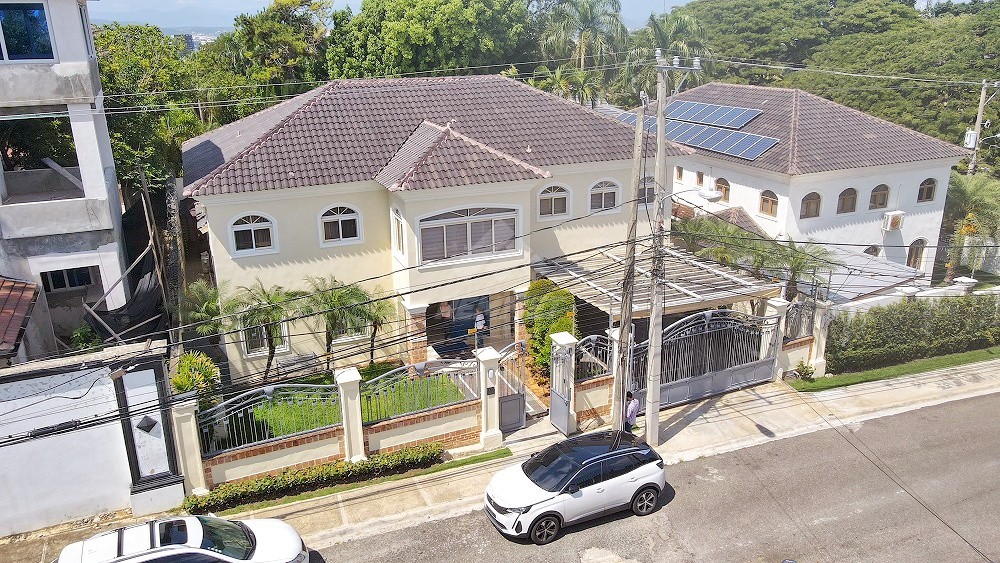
{"points": [[437, 156], [739, 217], [17, 299], [351, 129], [206, 152], [818, 135]]}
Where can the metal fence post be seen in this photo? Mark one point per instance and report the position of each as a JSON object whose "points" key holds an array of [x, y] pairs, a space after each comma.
{"points": [[777, 307], [188, 444], [349, 383], [490, 437], [563, 380]]}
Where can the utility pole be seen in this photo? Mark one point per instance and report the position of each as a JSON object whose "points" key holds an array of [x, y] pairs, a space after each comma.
{"points": [[628, 284], [662, 198], [974, 161]]}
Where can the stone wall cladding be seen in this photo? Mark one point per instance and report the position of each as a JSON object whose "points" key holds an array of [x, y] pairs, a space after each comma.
{"points": [[799, 343], [274, 446], [454, 439], [603, 413]]}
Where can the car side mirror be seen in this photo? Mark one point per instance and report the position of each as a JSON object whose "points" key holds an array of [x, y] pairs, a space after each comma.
{"points": [[533, 454], [572, 489]]}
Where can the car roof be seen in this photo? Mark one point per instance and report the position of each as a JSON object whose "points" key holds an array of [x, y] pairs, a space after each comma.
{"points": [[124, 542], [599, 445]]}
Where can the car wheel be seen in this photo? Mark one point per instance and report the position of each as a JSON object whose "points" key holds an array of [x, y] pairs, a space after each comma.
{"points": [[645, 501], [544, 530]]}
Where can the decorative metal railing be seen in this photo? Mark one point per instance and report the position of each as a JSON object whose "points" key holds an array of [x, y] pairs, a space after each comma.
{"points": [[708, 343], [593, 357], [513, 368], [268, 413], [419, 387], [799, 319]]}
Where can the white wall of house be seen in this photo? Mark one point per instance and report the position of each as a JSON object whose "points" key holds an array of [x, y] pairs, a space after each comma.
{"points": [[861, 227], [63, 477]]}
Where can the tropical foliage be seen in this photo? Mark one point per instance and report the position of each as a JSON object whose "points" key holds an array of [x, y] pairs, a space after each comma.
{"points": [[547, 310], [196, 372], [971, 220]]}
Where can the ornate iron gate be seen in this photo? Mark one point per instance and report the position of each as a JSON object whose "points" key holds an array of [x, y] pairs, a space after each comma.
{"points": [[709, 353], [511, 387], [560, 390]]}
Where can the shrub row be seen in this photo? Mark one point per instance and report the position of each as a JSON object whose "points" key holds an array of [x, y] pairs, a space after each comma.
{"points": [[293, 481], [865, 359], [547, 310]]}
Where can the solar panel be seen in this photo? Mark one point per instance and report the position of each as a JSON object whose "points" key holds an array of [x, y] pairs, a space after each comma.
{"points": [[710, 114], [733, 143]]}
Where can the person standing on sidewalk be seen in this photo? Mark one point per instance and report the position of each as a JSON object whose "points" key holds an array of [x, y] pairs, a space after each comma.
{"points": [[631, 411]]}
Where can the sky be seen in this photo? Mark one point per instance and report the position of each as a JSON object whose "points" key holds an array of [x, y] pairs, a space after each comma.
{"points": [[185, 13]]}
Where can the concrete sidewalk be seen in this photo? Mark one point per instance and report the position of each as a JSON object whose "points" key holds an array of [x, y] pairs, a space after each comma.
{"points": [[716, 425]]}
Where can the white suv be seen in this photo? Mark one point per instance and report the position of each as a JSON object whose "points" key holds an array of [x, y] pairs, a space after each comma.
{"points": [[192, 539], [575, 480]]}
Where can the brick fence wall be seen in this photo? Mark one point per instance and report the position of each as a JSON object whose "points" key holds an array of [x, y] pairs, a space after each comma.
{"points": [[453, 426], [593, 399], [293, 452]]}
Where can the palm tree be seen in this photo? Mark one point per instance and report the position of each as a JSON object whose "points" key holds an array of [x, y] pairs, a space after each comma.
{"points": [[587, 86], [584, 29], [200, 306], [971, 209], [800, 262], [342, 308], [678, 35], [378, 312], [262, 307], [558, 81]]}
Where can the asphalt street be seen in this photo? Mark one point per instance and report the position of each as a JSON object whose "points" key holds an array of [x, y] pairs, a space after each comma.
{"points": [[919, 486]]}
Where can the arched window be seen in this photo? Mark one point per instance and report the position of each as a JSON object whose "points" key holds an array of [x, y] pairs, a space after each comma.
{"points": [[769, 203], [468, 232], [873, 250], [604, 195], [553, 201], [926, 191], [722, 186], [340, 225], [647, 190], [810, 206], [915, 256], [848, 201], [253, 234], [880, 197]]}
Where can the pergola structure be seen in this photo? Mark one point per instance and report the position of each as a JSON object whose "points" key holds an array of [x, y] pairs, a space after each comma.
{"points": [[690, 283]]}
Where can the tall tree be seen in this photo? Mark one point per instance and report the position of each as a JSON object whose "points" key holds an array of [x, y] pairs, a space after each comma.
{"points": [[284, 42], [378, 313], [267, 308], [801, 262], [971, 214], [343, 309], [586, 32]]}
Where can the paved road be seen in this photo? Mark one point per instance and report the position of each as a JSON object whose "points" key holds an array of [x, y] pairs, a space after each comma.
{"points": [[811, 498]]}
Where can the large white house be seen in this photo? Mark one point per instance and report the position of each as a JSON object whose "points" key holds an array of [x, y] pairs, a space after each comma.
{"points": [[806, 168], [447, 191], [60, 221]]}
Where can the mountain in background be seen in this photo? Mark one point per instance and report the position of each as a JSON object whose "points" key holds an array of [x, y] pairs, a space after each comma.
{"points": [[182, 16]]}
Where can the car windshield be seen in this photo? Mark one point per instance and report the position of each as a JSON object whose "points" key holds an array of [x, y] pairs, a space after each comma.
{"points": [[228, 538], [551, 468]]}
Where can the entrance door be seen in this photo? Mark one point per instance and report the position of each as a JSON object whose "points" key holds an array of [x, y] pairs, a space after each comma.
{"points": [[511, 387]]}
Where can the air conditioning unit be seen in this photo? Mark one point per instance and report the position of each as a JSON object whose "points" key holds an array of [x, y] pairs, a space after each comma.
{"points": [[893, 220]]}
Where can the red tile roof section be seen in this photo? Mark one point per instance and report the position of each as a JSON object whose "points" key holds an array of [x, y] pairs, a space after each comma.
{"points": [[351, 130], [17, 299], [817, 135]]}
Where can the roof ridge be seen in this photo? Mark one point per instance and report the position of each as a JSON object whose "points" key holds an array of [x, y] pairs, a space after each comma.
{"points": [[793, 136], [871, 117], [501, 154], [683, 148], [423, 157], [190, 190]]}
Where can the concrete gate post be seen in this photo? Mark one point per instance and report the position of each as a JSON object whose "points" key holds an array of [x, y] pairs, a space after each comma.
{"points": [[821, 324], [564, 374], [777, 306], [349, 385], [490, 437], [188, 444]]}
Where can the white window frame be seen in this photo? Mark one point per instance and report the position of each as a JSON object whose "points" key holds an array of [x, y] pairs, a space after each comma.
{"points": [[647, 183], [398, 234], [273, 249], [88, 36], [322, 220], [347, 336], [565, 193], [605, 186], [52, 39], [47, 279], [514, 213], [256, 353]]}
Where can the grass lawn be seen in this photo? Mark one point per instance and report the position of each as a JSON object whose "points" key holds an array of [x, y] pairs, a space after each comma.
{"points": [[488, 456], [909, 368]]}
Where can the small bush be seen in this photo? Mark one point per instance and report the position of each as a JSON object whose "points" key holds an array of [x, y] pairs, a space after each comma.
{"points": [[196, 372], [293, 481], [805, 371], [84, 338]]}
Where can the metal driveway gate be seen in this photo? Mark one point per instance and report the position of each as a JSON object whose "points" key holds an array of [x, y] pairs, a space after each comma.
{"points": [[511, 387], [709, 353], [560, 390]]}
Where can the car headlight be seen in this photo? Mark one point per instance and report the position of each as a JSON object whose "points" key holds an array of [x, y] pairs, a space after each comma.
{"points": [[521, 510], [301, 558]]}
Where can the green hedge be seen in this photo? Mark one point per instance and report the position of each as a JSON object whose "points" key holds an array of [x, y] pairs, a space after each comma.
{"points": [[293, 481], [909, 330]]}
